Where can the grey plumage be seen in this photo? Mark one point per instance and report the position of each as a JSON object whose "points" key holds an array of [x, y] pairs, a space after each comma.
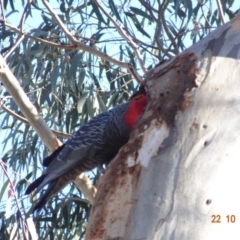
{"points": [[94, 144]]}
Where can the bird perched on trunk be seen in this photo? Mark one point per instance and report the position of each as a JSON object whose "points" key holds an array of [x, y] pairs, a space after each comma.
{"points": [[94, 144]]}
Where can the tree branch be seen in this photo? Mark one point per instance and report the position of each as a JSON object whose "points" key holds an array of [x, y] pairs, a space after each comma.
{"points": [[162, 20], [30, 112], [51, 44], [15, 197], [71, 38], [124, 34], [78, 45], [21, 29], [24, 120], [220, 11], [3, 10]]}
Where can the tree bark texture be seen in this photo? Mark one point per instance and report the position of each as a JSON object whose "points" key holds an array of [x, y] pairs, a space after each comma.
{"points": [[178, 176]]}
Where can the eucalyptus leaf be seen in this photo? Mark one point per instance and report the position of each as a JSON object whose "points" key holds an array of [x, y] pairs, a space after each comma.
{"points": [[81, 102]]}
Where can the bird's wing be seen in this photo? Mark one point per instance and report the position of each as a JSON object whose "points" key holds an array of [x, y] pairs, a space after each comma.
{"points": [[80, 148]]}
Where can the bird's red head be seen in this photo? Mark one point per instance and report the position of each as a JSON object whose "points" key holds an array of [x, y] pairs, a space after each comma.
{"points": [[136, 107]]}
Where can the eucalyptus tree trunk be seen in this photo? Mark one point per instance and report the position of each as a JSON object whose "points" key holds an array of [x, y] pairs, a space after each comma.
{"points": [[178, 177]]}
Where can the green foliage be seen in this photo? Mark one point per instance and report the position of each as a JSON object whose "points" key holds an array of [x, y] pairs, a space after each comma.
{"points": [[69, 86]]}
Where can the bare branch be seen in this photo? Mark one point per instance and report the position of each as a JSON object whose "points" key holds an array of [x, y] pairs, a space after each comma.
{"points": [[51, 44], [21, 29], [204, 16], [2, 8], [158, 30], [220, 10], [15, 197], [125, 35], [167, 52], [162, 19], [71, 38], [24, 120], [87, 188], [30, 112], [78, 46], [134, 73], [14, 47], [82, 46], [24, 15]]}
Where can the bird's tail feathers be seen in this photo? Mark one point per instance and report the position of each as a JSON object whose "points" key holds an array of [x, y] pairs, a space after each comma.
{"points": [[45, 197], [35, 184], [50, 158]]}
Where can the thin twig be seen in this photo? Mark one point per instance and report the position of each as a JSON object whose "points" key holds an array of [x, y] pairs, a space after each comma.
{"points": [[14, 195], [158, 30], [126, 83], [149, 8], [51, 44], [3, 11], [13, 47], [134, 73], [71, 38], [145, 44], [55, 223], [125, 35], [75, 42], [174, 40], [203, 13], [157, 35], [162, 8], [14, 172], [24, 120], [23, 18], [220, 11], [78, 46], [30, 112], [11, 184], [21, 29]]}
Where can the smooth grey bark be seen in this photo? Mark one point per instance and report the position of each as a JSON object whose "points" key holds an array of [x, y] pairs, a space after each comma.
{"points": [[178, 177]]}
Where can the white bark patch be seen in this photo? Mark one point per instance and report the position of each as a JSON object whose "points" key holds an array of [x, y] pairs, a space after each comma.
{"points": [[152, 141], [131, 161], [199, 146]]}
